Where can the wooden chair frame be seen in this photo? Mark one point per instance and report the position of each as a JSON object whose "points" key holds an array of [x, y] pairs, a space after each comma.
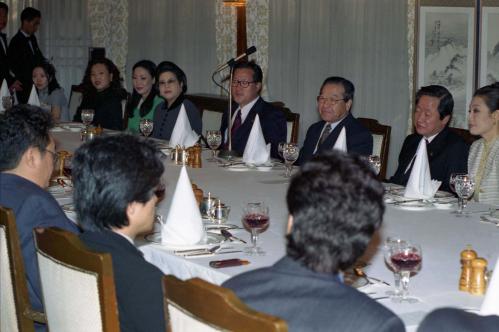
{"points": [[25, 314], [465, 134], [67, 248], [378, 129], [217, 306]]}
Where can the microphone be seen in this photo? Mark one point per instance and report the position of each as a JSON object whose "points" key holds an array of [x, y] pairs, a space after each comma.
{"points": [[232, 61]]}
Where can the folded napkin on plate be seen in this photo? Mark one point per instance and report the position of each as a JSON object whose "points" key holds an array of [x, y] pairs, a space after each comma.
{"points": [[490, 304], [184, 225], [182, 133], [420, 184], [341, 141], [256, 151], [33, 97], [4, 91]]}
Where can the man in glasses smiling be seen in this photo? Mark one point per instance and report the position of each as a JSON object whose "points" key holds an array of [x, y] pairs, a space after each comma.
{"points": [[246, 86], [334, 103]]}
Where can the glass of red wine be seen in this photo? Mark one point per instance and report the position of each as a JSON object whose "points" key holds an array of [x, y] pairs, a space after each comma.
{"points": [[405, 258], [255, 220]]}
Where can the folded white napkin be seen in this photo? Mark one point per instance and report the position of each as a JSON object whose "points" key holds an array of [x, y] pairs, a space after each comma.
{"points": [[420, 184], [4, 91], [490, 304], [256, 151], [184, 225], [182, 133], [341, 141], [33, 97]]}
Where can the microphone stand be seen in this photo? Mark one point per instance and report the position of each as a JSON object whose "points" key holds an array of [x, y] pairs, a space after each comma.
{"points": [[229, 154]]}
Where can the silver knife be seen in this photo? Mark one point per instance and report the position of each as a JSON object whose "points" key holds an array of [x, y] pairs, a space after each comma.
{"points": [[207, 253], [228, 235]]}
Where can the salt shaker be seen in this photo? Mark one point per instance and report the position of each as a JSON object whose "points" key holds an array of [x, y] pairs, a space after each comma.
{"points": [[467, 256], [478, 267]]}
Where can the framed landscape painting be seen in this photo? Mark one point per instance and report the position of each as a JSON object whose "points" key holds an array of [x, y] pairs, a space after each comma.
{"points": [[489, 45]]}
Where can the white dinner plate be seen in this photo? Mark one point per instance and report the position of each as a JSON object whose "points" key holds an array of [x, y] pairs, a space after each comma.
{"points": [[209, 241], [237, 168], [414, 206]]}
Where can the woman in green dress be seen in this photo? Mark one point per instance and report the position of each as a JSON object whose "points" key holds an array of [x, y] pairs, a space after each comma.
{"points": [[145, 97]]}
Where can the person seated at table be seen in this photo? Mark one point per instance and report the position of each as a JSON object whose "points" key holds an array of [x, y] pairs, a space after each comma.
{"points": [[113, 213], [50, 93], [335, 205], [27, 157], [334, 104], [456, 320], [103, 93], [172, 86], [447, 151], [246, 86], [145, 97], [483, 159]]}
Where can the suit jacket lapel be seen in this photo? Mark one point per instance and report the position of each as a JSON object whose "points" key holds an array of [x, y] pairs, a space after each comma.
{"points": [[245, 129], [438, 144], [331, 139], [3, 50]]}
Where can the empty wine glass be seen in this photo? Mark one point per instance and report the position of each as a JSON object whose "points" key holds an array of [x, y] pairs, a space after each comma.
{"points": [[405, 258], [375, 163], [214, 139], [280, 146], [255, 220], [290, 153], [146, 126], [465, 186], [87, 116], [452, 186], [390, 242]]}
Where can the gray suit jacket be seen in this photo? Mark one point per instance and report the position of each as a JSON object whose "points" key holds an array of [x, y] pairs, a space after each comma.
{"points": [[311, 301]]}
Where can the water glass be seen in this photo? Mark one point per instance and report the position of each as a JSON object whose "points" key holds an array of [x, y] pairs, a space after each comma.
{"points": [[405, 258], [290, 153], [375, 162], [214, 139], [390, 243], [146, 126], [87, 116], [465, 186]]}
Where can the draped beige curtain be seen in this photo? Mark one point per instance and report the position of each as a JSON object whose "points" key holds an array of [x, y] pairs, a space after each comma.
{"points": [[411, 21]]}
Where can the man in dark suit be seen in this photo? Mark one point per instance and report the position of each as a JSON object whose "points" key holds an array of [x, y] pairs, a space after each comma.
{"points": [[246, 86], [23, 52], [113, 213], [27, 156], [334, 103], [335, 205], [447, 151], [455, 320]]}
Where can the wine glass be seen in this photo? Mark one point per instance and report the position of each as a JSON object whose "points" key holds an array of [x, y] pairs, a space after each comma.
{"points": [[290, 153], [452, 186], [87, 116], [375, 163], [255, 220], [405, 258], [280, 147], [464, 186], [214, 139], [390, 242], [146, 126]]}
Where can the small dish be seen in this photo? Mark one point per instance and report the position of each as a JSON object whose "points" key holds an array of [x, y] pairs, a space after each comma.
{"points": [[237, 168], [413, 205], [210, 240]]}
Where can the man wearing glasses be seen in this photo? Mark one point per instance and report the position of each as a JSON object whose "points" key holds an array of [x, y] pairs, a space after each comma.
{"points": [[246, 86], [334, 103], [27, 157]]}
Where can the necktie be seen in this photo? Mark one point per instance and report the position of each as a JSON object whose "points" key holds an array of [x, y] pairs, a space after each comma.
{"points": [[325, 133], [31, 43], [236, 124], [3, 42]]}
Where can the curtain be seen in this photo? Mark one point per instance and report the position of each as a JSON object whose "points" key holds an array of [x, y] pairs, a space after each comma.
{"points": [[364, 41], [411, 20], [257, 27]]}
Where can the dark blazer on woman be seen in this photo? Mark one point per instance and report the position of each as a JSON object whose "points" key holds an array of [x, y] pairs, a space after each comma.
{"points": [[108, 108]]}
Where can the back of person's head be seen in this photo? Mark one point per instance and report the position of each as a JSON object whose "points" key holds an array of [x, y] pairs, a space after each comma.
{"points": [[346, 84], [168, 66], [490, 95], [108, 174], [29, 14], [446, 104], [3, 6], [22, 127], [257, 71], [337, 204], [50, 72]]}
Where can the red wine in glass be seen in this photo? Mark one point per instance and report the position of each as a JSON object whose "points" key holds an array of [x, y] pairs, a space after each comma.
{"points": [[406, 261], [256, 220], [259, 222]]}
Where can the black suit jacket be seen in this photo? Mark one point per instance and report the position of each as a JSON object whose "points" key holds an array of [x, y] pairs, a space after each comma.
{"points": [[447, 154], [4, 62], [138, 283], [22, 60], [272, 121], [455, 320], [359, 139], [311, 301]]}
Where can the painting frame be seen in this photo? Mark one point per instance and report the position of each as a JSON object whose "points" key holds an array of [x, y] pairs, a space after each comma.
{"points": [[445, 50], [488, 63]]}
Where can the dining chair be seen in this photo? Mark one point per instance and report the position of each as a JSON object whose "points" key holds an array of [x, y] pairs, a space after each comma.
{"points": [[381, 142], [77, 284], [16, 313], [465, 134], [292, 122], [75, 98], [197, 305]]}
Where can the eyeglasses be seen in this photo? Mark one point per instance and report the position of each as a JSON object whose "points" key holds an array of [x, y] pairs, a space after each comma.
{"points": [[244, 84], [55, 156], [328, 100]]}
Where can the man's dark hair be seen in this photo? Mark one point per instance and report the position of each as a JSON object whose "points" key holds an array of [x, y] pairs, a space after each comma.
{"points": [[168, 66], [29, 14], [446, 104], [347, 86], [108, 174], [257, 71], [337, 204], [22, 127], [4, 6]]}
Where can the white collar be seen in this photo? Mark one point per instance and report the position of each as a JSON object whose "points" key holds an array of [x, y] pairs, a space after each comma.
{"points": [[247, 108]]}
